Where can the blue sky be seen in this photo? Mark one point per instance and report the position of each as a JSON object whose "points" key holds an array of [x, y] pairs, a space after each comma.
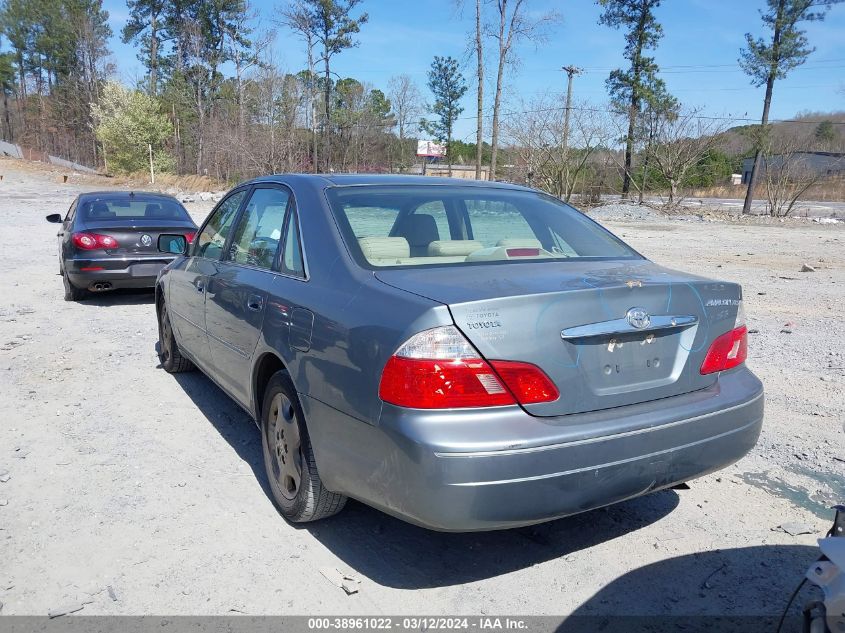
{"points": [[697, 54]]}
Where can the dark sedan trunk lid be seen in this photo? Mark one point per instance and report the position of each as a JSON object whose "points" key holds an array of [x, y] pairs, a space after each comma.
{"points": [[570, 319], [138, 236]]}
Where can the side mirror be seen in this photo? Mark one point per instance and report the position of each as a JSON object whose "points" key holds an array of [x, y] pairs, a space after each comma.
{"points": [[55, 218], [173, 244]]}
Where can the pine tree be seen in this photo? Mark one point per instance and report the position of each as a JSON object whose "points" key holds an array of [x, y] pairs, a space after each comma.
{"points": [[766, 61], [448, 86], [628, 88]]}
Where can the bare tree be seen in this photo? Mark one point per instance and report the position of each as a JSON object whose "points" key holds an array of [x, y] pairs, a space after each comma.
{"points": [[555, 158], [680, 142], [788, 173], [245, 54], [407, 105], [515, 23], [299, 18]]}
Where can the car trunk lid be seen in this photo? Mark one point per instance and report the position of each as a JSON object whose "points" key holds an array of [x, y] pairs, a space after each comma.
{"points": [[572, 320], [138, 236]]}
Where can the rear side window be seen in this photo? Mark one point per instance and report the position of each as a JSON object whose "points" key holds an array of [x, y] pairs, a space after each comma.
{"points": [[460, 225], [212, 238], [256, 239], [292, 260], [489, 219], [136, 207], [371, 221]]}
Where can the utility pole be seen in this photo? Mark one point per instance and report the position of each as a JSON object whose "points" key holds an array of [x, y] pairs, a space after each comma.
{"points": [[571, 71]]}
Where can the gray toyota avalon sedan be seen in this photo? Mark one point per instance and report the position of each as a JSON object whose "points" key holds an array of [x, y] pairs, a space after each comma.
{"points": [[462, 355]]}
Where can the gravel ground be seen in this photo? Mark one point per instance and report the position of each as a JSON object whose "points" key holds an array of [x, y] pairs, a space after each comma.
{"points": [[130, 491]]}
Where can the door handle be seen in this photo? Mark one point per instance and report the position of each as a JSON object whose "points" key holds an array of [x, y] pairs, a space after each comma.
{"points": [[255, 303]]}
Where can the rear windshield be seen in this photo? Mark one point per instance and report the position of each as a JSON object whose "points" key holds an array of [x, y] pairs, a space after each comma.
{"points": [[132, 208], [392, 226]]}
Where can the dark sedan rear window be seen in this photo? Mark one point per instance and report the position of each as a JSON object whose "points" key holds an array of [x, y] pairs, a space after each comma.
{"points": [[132, 208], [411, 225]]}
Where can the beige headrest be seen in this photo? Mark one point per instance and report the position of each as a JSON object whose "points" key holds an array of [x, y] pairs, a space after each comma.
{"points": [[451, 248], [384, 247], [519, 242]]}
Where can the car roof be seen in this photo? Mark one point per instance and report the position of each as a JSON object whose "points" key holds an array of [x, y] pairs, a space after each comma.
{"points": [[123, 194], [345, 180]]}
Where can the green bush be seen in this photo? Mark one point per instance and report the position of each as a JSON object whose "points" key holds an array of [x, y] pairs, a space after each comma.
{"points": [[127, 122]]}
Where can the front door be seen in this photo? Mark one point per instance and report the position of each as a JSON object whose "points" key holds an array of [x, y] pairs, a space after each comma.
{"points": [[236, 296], [189, 281]]}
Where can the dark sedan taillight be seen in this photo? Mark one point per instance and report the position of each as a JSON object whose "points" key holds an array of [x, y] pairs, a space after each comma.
{"points": [[189, 237], [93, 241]]}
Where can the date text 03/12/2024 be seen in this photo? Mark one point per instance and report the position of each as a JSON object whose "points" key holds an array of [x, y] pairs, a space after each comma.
{"points": [[482, 623]]}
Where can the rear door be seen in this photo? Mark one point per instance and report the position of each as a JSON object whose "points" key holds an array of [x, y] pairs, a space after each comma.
{"points": [[188, 281], [236, 297]]}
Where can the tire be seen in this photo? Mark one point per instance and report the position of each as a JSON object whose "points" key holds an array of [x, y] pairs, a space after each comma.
{"points": [[168, 350], [297, 489], [72, 293]]}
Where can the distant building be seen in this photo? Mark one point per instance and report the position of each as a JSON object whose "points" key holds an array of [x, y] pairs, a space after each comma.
{"points": [[458, 171], [820, 164]]}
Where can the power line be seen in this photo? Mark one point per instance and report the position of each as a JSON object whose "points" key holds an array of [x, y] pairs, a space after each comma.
{"points": [[817, 64], [700, 117], [612, 111]]}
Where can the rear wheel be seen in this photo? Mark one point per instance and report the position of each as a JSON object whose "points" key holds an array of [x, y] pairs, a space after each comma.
{"points": [[72, 293], [168, 351], [289, 460]]}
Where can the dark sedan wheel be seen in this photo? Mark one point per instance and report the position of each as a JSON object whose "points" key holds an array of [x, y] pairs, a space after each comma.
{"points": [[289, 459], [168, 351], [72, 293]]}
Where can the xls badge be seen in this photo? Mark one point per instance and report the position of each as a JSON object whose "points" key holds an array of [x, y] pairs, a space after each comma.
{"points": [[638, 318], [146, 240]]}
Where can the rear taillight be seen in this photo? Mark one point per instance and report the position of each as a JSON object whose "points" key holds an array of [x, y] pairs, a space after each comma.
{"points": [[189, 237], [728, 350], [528, 383], [93, 241], [439, 369]]}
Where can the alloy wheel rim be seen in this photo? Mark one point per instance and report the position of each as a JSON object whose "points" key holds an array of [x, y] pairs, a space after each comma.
{"points": [[284, 442]]}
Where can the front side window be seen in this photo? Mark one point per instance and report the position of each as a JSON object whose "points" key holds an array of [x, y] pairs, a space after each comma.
{"points": [[212, 238], [459, 225], [256, 239], [71, 212]]}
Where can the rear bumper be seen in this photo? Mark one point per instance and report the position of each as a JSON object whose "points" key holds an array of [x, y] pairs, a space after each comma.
{"points": [[471, 470], [117, 273]]}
